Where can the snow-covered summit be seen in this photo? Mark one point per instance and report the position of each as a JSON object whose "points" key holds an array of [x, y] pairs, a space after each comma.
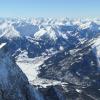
{"points": [[8, 31], [48, 32]]}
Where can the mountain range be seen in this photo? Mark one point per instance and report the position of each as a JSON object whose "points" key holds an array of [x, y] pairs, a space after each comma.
{"points": [[49, 59]]}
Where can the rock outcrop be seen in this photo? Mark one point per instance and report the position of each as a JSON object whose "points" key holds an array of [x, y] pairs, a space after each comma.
{"points": [[14, 84]]}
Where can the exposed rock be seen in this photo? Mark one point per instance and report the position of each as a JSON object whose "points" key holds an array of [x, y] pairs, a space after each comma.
{"points": [[14, 84]]}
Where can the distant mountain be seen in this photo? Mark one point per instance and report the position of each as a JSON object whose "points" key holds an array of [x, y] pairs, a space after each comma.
{"points": [[44, 34]]}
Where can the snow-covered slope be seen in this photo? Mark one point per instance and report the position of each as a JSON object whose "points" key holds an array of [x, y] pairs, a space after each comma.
{"points": [[2, 45], [47, 32], [96, 49], [8, 31]]}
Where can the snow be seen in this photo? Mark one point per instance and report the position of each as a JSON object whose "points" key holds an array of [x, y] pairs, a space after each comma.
{"points": [[7, 30], [30, 66], [40, 33], [96, 49], [23, 54], [2, 45], [47, 82], [52, 33], [61, 48], [79, 91], [85, 25], [47, 31], [35, 27], [73, 51]]}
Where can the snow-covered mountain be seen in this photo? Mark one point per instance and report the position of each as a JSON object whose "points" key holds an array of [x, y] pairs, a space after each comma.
{"points": [[52, 59], [44, 34], [52, 27]]}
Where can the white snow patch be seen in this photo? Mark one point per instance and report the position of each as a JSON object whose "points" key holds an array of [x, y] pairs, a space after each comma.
{"points": [[2, 45], [79, 91], [7, 30], [40, 33], [61, 48], [48, 31], [30, 66]]}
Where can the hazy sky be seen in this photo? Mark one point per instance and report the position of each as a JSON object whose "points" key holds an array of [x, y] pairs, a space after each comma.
{"points": [[50, 8]]}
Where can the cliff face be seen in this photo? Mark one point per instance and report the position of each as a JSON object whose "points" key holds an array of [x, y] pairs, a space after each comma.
{"points": [[13, 82]]}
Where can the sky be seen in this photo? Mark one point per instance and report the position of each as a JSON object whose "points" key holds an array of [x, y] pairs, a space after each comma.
{"points": [[50, 8]]}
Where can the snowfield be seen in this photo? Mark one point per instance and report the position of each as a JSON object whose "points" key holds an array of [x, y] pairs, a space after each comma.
{"points": [[30, 66]]}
